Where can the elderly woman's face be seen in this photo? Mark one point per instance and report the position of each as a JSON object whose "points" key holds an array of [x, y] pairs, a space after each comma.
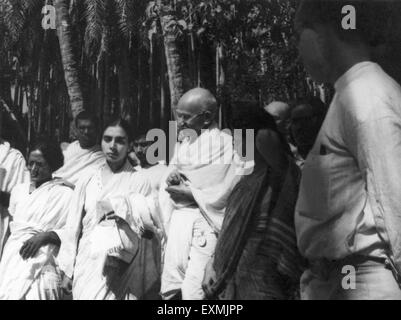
{"points": [[38, 167]]}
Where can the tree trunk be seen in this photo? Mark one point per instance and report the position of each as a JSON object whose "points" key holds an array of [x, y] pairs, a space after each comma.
{"points": [[124, 84], [70, 64], [151, 82], [220, 81], [174, 57]]}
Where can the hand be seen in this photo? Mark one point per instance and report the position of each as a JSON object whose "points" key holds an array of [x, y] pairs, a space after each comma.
{"points": [[181, 193], [104, 206], [30, 247], [113, 271], [66, 284], [209, 279], [175, 178], [112, 216]]}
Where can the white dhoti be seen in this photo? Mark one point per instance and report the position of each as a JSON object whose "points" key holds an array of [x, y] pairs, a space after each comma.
{"points": [[191, 245], [210, 165]]}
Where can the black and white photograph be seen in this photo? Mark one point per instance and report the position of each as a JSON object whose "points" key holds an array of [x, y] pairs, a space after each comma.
{"points": [[202, 150]]}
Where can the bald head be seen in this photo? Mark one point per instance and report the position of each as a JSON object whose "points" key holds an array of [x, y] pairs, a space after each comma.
{"points": [[198, 100], [196, 110], [281, 112]]}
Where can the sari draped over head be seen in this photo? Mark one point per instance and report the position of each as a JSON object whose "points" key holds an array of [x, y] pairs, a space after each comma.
{"points": [[12, 164], [43, 210], [99, 255], [272, 232], [78, 160]]}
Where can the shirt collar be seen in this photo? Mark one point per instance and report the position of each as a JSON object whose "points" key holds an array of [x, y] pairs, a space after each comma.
{"points": [[353, 73]]}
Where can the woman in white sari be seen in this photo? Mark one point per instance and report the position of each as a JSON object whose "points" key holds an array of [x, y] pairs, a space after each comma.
{"points": [[27, 268], [111, 209]]}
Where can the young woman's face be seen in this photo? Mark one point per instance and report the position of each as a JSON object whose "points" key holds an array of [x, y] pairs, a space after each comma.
{"points": [[38, 167], [115, 144]]}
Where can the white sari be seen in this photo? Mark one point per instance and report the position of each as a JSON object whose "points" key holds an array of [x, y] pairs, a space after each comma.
{"points": [[12, 161], [45, 209], [84, 252]]}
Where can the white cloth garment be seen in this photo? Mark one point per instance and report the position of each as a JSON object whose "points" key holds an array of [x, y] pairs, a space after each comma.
{"points": [[351, 180], [211, 166], [129, 195], [45, 209], [78, 160], [13, 163], [146, 268]]}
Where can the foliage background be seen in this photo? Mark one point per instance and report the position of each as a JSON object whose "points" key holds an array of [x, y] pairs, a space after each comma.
{"points": [[134, 58]]}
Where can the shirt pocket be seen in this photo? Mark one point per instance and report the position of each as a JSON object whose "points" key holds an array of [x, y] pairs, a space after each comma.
{"points": [[314, 200]]}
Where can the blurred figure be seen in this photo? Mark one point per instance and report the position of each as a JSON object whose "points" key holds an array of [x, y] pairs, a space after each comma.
{"points": [[280, 111], [348, 212], [306, 120]]}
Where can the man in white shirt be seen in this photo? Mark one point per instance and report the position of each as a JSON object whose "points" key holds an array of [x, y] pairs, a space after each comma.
{"points": [[348, 213]]}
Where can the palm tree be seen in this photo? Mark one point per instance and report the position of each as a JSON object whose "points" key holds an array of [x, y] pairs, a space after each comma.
{"points": [[70, 63], [174, 59]]}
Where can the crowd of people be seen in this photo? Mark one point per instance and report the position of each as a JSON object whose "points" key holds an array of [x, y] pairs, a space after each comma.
{"points": [[101, 221]]}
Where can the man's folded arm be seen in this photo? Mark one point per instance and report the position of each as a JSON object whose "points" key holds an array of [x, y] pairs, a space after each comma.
{"points": [[376, 145]]}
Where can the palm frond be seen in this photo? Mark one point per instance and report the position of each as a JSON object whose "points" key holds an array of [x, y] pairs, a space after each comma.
{"points": [[14, 18], [127, 20], [95, 17], [32, 6]]}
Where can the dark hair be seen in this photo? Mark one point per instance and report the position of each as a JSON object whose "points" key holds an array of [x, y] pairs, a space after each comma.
{"points": [[318, 106], [86, 115], [250, 115], [140, 133], [51, 152], [370, 18], [122, 124]]}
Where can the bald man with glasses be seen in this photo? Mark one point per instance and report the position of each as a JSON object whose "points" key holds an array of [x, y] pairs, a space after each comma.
{"points": [[193, 195]]}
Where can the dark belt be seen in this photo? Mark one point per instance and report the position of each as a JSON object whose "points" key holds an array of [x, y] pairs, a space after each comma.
{"points": [[323, 267]]}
